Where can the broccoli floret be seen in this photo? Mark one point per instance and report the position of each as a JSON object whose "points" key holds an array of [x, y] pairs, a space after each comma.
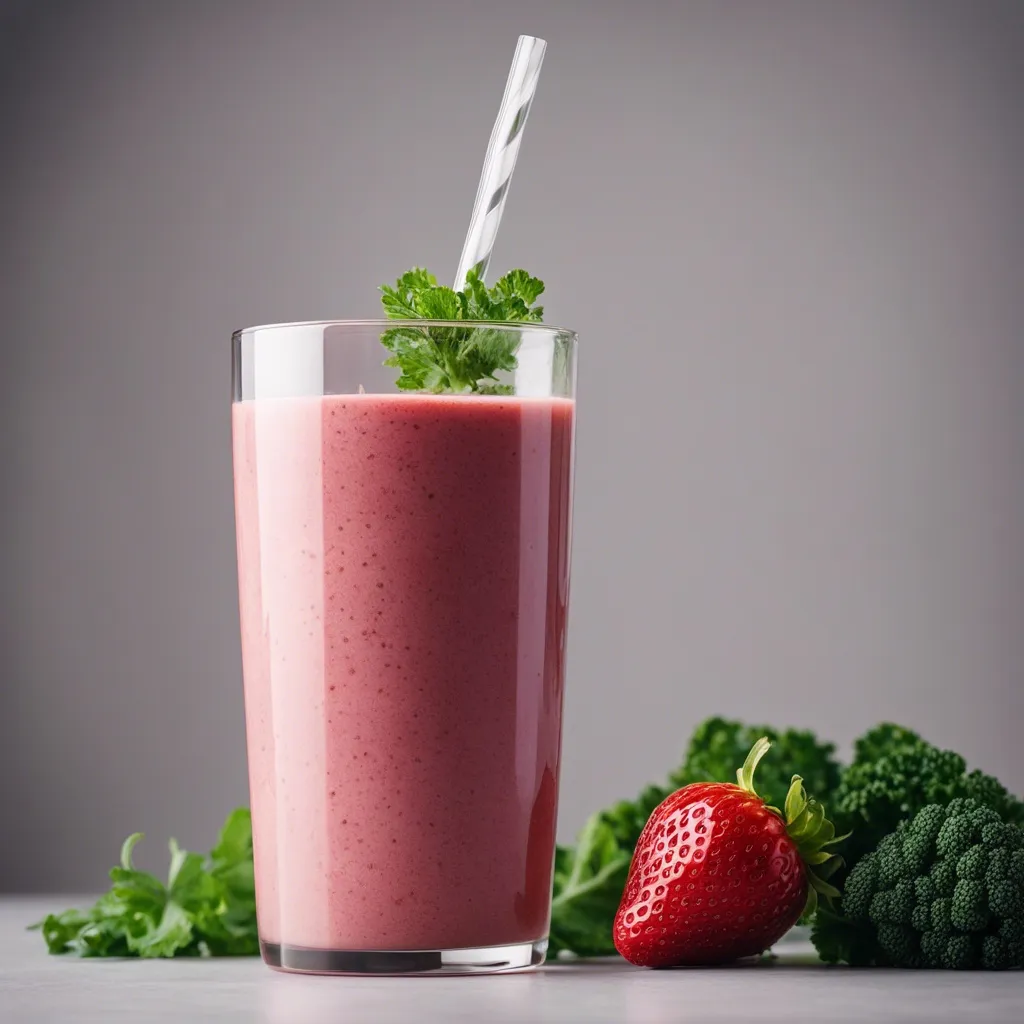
{"points": [[924, 897], [960, 954], [860, 888], [960, 905], [942, 916], [995, 954], [1004, 898], [933, 946], [1016, 869], [943, 876], [892, 865], [998, 869], [901, 944], [955, 837], [894, 774], [718, 745], [921, 918], [969, 911], [1011, 931], [924, 889]]}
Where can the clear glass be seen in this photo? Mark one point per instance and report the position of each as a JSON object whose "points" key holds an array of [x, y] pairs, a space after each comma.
{"points": [[403, 563]]}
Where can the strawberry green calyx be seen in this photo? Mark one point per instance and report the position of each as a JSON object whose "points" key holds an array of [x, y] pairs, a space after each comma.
{"points": [[806, 825], [813, 833]]}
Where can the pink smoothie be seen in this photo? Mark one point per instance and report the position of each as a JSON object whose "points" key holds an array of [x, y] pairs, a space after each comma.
{"points": [[403, 573]]}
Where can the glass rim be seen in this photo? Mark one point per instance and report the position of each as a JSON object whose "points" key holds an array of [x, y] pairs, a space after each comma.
{"points": [[384, 324]]}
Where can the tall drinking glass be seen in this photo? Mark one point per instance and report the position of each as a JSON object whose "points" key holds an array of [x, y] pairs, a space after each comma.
{"points": [[403, 564]]}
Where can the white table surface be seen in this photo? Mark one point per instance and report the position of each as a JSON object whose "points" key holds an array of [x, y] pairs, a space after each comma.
{"points": [[38, 988]]}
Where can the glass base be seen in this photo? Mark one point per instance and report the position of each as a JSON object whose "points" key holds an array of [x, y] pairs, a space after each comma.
{"points": [[480, 960]]}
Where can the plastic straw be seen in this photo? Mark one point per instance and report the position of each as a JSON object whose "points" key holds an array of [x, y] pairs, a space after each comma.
{"points": [[500, 160]]}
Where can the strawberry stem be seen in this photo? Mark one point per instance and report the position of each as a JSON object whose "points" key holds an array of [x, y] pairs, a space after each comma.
{"points": [[745, 775]]}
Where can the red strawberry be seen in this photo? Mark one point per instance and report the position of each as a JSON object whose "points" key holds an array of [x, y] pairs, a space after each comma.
{"points": [[717, 874]]}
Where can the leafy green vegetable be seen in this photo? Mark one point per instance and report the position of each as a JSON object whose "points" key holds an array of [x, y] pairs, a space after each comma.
{"points": [[627, 818], [894, 774], [588, 884], [456, 359], [206, 908], [945, 890], [718, 745]]}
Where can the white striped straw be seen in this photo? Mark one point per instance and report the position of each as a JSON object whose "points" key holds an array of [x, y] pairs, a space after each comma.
{"points": [[500, 160]]}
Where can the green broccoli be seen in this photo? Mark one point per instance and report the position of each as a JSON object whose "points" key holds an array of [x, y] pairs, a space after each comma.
{"points": [[944, 890], [894, 774], [718, 745]]}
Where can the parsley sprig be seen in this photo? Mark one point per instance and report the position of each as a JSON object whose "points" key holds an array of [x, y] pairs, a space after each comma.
{"points": [[206, 908], [456, 359]]}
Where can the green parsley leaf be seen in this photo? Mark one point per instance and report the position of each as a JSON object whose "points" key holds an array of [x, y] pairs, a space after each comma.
{"points": [[457, 360], [206, 908], [588, 884], [172, 934]]}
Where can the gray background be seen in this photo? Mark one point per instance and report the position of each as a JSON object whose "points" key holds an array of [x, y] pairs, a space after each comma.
{"points": [[789, 233]]}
